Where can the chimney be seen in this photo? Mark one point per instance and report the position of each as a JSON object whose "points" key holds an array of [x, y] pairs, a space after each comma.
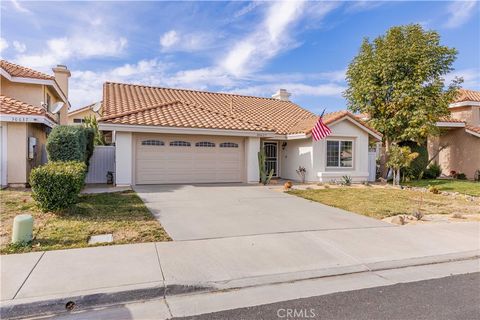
{"points": [[282, 94], [62, 74]]}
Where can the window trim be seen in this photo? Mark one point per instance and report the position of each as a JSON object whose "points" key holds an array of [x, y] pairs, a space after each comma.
{"points": [[179, 143], [160, 143], [339, 141], [205, 144], [228, 144]]}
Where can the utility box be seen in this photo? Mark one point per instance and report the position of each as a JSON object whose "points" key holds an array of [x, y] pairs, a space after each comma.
{"points": [[22, 228], [32, 146]]}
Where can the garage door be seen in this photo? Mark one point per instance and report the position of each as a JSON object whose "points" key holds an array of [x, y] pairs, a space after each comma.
{"points": [[163, 159]]}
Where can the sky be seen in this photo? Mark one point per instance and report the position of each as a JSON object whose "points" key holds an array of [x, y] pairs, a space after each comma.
{"points": [[252, 48]]}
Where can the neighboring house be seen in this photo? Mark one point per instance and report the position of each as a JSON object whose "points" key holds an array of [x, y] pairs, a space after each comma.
{"points": [[184, 136], [32, 103], [459, 142], [77, 116]]}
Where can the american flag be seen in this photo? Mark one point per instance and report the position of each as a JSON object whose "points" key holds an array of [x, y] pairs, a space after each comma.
{"points": [[320, 130]]}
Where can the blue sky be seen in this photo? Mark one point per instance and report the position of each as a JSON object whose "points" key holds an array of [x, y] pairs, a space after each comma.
{"points": [[244, 47]]}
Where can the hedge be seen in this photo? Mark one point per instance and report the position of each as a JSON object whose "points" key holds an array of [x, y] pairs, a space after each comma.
{"points": [[56, 185], [70, 143]]}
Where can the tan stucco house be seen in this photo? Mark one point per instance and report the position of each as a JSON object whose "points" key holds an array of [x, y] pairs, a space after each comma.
{"points": [[165, 135], [458, 146], [92, 110], [32, 103]]}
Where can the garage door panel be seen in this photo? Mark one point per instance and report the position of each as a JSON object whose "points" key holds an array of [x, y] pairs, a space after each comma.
{"points": [[195, 164]]}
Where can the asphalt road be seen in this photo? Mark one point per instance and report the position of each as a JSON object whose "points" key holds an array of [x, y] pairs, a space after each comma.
{"points": [[454, 297]]}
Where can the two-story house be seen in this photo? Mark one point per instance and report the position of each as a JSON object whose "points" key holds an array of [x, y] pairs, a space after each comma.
{"points": [[458, 146], [31, 104]]}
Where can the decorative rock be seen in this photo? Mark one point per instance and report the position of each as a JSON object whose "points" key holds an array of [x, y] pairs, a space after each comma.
{"points": [[398, 220]]}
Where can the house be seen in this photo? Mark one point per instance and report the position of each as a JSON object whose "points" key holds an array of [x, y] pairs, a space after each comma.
{"points": [[92, 110], [31, 104], [458, 147], [165, 135]]}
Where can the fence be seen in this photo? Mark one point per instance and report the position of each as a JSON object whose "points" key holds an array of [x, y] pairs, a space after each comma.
{"points": [[102, 161]]}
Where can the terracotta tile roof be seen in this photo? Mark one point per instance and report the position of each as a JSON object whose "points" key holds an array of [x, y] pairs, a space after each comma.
{"points": [[467, 95], [474, 129], [90, 106], [449, 119], [10, 106], [242, 112], [16, 70], [144, 105]]}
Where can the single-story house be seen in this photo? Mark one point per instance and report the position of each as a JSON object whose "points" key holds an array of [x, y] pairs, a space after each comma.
{"points": [[165, 135], [31, 104], [458, 146], [77, 116]]}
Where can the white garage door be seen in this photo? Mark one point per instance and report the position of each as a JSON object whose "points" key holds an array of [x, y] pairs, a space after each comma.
{"points": [[163, 159]]}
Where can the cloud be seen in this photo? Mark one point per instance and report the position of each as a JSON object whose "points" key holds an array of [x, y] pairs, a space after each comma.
{"points": [[247, 9], [168, 39], [19, 7], [471, 78], [460, 12], [175, 41], [19, 46], [3, 44], [297, 89], [59, 50]]}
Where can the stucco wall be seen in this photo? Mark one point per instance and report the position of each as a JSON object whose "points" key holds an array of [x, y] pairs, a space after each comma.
{"points": [[312, 155], [252, 146], [17, 153], [36, 130], [80, 115], [461, 155], [123, 158], [469, 114]]}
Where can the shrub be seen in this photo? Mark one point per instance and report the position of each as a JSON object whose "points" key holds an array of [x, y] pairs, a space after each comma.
{"points": [[433, 190], [56, 185], [461, 176], [70, 143], [419, 164], [433, 171], [346, 181]]}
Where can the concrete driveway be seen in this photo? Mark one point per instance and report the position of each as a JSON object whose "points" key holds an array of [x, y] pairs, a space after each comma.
{"points": [[190, 212]]}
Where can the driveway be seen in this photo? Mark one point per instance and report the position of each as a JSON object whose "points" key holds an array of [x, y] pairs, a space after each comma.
{"points": [[189, 212]]}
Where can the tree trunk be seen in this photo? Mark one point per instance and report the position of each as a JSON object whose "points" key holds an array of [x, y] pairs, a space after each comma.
{"points": [[386, 144]]}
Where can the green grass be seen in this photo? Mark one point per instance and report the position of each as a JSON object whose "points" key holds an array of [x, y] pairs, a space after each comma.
{"points": [[123, 214], [385, 202], [463, 186]]}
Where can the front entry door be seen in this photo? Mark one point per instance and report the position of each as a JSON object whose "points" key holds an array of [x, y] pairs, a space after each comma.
{"points": [[271, 157]]}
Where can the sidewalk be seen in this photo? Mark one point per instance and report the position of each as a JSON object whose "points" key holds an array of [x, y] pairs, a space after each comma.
{"points": [[106, 275]]}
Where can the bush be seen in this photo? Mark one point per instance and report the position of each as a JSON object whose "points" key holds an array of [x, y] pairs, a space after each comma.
{"points": [[56, 185], [418, 165], [433, 190], [461, 176], [70, 143], [433, 171]]}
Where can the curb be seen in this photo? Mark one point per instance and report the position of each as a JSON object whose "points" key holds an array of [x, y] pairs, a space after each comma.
{"points": [[55, 306]]}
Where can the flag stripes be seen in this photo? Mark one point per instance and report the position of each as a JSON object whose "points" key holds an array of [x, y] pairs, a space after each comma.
{"points": [[320, 130]]}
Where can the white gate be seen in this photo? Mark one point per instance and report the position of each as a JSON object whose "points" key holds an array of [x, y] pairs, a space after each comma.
{"points": [[102, 161], [372, 165]]}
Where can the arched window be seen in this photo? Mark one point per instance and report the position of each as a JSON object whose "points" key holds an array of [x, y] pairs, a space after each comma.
{"points": [[179, 143], [228, 145], [152, 143], [205, 144]]}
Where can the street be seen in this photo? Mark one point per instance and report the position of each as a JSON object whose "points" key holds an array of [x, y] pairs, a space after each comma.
{"points": [[454, 297]]}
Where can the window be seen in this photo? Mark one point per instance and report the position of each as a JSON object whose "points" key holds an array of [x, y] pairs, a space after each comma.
{"points": [[205, 144], [228, 145], [179, 144], [340, 154], [152, 143], [77, 120], [49, 103]]}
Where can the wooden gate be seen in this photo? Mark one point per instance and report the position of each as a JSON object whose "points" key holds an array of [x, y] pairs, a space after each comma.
{"points": [[101, 162]]}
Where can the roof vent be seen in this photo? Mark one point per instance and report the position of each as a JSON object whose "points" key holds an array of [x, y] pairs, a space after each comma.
{"points": [[282, 94]]}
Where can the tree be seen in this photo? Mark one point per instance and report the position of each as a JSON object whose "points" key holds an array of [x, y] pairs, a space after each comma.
{"points": [[398, 158], [91, 122], [398, 79]]}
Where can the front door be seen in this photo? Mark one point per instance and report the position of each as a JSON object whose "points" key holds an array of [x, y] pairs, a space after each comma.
{"points": [[271, 157]]}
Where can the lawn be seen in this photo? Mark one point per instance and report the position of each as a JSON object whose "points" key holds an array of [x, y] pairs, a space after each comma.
{"points": [[385, 202], [463, 186], [123, 214]]}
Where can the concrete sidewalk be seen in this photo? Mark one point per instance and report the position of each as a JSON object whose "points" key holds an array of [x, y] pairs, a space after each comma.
{"points": [[106, 275]]}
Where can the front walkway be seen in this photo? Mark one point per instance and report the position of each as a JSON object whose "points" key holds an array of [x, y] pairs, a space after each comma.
{"points": [[208, 211]]}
